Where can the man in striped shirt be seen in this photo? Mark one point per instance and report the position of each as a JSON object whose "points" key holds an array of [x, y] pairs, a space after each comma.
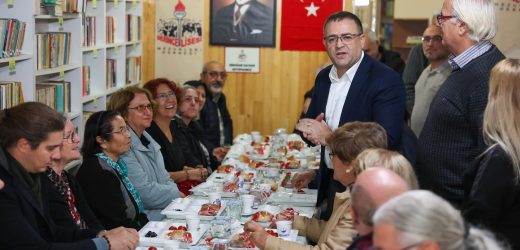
{"points": [[452, 134]]}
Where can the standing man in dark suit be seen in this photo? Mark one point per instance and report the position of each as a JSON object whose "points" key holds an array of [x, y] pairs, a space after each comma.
{"points": [[452, 134], [244, 21], [355, 88], [31, 135]]}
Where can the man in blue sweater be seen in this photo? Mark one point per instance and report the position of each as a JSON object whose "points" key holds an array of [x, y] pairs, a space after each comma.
{"points": [[452, 134]]}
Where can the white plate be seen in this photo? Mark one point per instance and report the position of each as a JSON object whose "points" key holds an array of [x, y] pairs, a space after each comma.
{"points": [[161, 229], [294, 199], [292, 237], [207, 187], [173, 211]]}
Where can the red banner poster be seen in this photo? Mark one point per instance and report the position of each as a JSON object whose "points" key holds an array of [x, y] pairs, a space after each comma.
{"points": [[302, 23]]}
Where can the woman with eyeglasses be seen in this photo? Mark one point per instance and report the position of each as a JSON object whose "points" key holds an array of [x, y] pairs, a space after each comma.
{"points": [[68, 205], [103, 175], [146, 169], [186, 170]]}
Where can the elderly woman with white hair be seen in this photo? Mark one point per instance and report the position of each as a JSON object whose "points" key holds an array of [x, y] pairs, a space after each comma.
{"points": [[422, 220]]}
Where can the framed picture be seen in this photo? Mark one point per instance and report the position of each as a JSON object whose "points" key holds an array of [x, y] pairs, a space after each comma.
{"points": [[243, 23]]}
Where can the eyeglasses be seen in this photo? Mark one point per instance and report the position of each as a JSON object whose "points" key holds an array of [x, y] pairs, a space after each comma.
{"points": [[215, 74], [189, 98], [427, 39], [331, 155], [344, 38], [441, 19], [122, 130], [72, 137], [164, 96], [142, 108]]}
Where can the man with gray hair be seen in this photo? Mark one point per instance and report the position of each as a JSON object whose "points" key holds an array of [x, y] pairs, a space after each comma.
{"points": [[373, 187], [452, 134], [214, 116], [420, 219], [373, 48]]}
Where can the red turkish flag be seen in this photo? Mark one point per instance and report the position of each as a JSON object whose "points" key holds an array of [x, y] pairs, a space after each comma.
{"points": [[302, 23]]}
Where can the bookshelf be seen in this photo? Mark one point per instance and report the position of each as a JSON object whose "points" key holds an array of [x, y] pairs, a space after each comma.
{"points": [[403, 30], [27, 67]]}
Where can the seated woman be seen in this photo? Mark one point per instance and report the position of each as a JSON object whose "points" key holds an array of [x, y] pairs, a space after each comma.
{"points": [[491, 184], [420, 219], [345, 144], [217, 153], [103, 175], [188, 112], [144, 160], [183, 167], [68, 205]]}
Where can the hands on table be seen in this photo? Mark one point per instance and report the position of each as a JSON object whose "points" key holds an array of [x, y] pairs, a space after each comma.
{"points": [[302, 179], [314, 130], [220, 153], [122, 238], [257, 233], [198, 173]]}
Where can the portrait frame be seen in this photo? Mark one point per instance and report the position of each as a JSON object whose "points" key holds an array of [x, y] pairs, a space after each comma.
{"points": [[256, 27]]}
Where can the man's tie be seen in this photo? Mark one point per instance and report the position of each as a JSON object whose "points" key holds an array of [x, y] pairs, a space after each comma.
{"points": [[238, 14]]}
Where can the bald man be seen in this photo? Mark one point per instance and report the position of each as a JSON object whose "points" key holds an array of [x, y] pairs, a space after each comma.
{"points": [[432, 76], [372, 188]]}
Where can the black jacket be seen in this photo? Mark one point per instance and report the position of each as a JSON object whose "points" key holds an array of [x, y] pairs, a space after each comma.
{"points": [[24, 224], [209, 120], [492, 195], [59, 207], [104, 192]]}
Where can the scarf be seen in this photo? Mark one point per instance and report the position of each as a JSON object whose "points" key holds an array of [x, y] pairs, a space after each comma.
{"points": [[61, 183], [122, 172]]}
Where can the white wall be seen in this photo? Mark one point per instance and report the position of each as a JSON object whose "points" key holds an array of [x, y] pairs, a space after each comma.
{"points": [[416, 9]]}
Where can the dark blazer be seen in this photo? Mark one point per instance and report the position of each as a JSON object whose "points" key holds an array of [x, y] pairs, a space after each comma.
{"points": [[256, 26], [59, 207], [104, 192], [376, 94], [24, 224], [452, 134], [210, 121], [492, 195]]}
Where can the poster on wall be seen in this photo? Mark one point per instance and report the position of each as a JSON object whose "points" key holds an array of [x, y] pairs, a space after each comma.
{"points": [[243, 23], [179, 41], [507, 38], [240, 59]]}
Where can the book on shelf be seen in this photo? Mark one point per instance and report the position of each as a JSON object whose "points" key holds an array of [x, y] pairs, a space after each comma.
{"points": [[111, 29], [111, 73], [133, 69], [10, 94], [85, 83], [55, 94], [12, 33], [89, 31], [133, 28], [53, 49], [59, 7]]}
